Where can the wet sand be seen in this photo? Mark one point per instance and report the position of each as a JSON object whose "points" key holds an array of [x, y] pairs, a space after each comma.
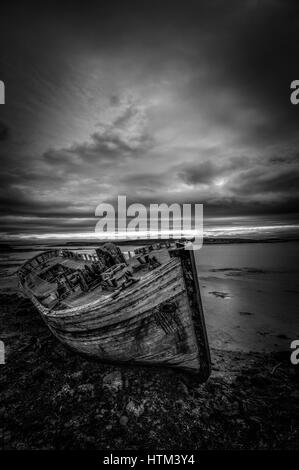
{"points": [[250, 295]]}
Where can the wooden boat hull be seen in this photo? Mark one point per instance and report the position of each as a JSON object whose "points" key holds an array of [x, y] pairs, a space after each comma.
{"points": [[159, 321]]}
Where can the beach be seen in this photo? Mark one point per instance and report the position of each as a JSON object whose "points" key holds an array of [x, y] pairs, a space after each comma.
{"points": [[52, 398], [250, 294], [250, 291]]}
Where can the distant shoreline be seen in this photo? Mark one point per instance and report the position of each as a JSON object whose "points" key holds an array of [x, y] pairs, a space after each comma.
{"points": [[13, 244]]}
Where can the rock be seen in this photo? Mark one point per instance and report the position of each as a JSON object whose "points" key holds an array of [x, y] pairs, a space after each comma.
{"points": [[86, 389], [77, 375], [109, 427], [65, 392], [113, 381], [135, 409], [123, 420]]}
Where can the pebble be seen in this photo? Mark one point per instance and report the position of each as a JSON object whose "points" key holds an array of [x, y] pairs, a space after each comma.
{"points": [[135, 409], [113, 381], [64, 392], [77, 375], [123, 420], [86, 388]]}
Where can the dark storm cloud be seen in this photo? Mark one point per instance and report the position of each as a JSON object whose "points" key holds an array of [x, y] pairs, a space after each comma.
{"points": [[115, 141], [207, 171], [162, 101], [263, 181], [15, 203]]}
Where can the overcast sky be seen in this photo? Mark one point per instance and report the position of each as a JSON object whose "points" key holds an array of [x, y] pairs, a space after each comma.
{"points": [[161, 101]]}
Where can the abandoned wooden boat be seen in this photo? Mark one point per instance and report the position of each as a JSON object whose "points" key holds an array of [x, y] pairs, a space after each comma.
{"points": [[142, 308]]}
